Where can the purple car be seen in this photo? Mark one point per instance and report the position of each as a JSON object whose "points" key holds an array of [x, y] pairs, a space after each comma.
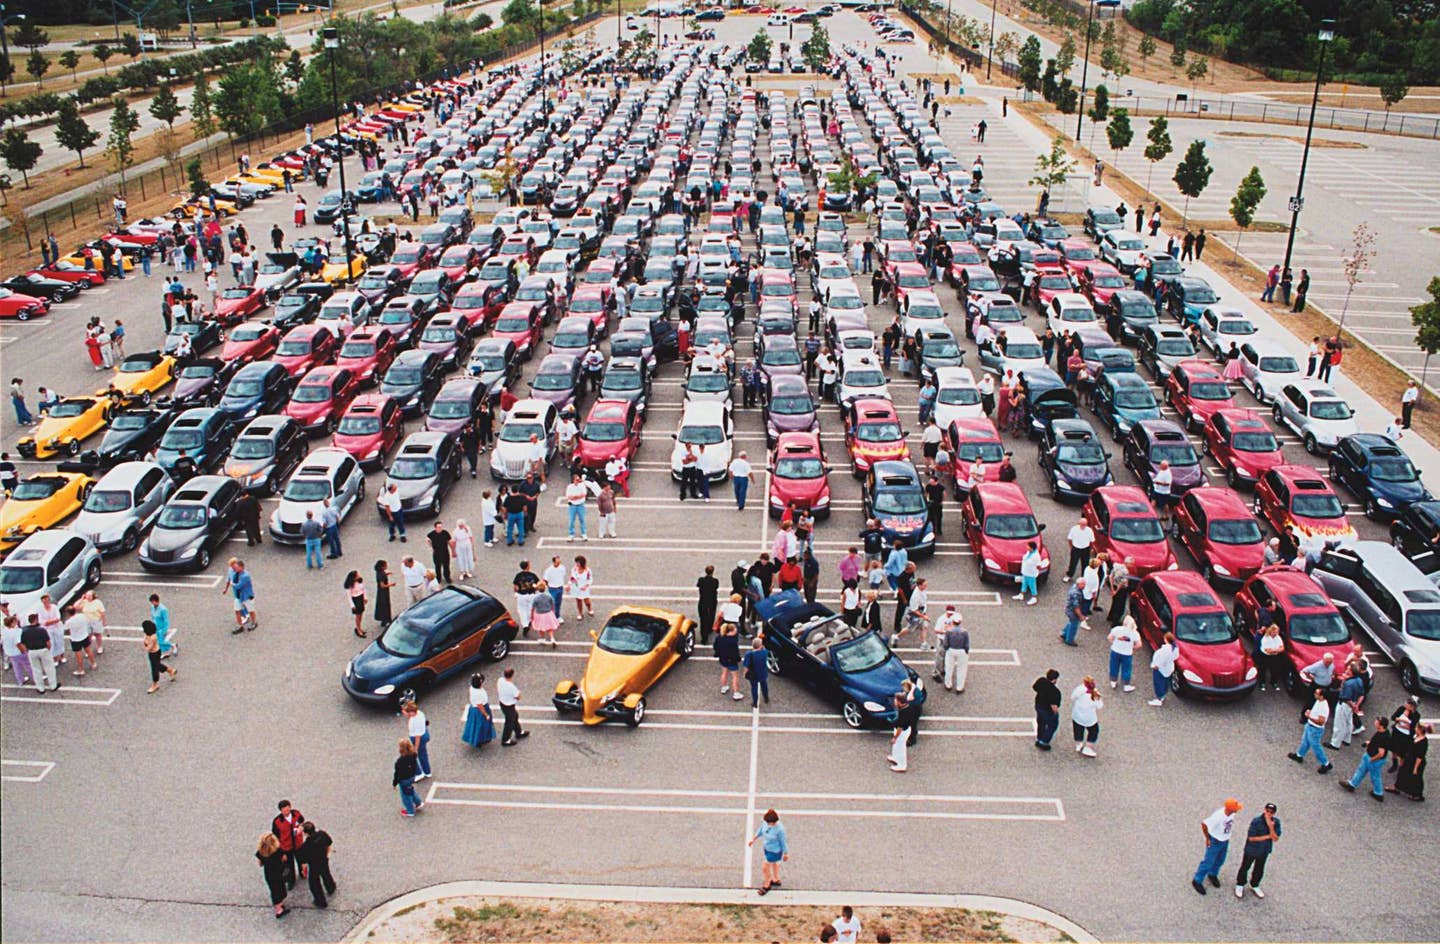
{"points": [[445, 335], [201, 382], [1154, 441], [454, 405], [780, 354], [380, 284], [789, 408], [557, 380]]}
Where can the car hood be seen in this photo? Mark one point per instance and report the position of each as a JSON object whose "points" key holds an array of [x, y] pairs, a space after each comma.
{"points": [[117, 440], [1400, 493], [410, 488], [605, 672], [793, 422], [94, 522], [374, 666], [293, 512], [1087, 474], [171, 539]]}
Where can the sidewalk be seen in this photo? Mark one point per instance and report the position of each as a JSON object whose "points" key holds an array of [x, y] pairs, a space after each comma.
{"points": [[371, 926]]}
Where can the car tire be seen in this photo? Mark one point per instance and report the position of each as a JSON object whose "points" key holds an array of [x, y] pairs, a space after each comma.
{"points": [[128, 542], [202, 560], [498, 649], [92, 574], [852, 715], [1409, 678], [22, 315], [1208, 573], [1257, 507], [272, 486], [1398, 542], [1178, 685], [330, 426], [1372, 510], [637, 714], [687, 647], [1311, 445], [435, 507], [772, 662], [72, 448], [146, 397]]}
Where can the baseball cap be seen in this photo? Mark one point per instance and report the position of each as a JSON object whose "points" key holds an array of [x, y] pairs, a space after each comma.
{"points": [[1270, 807], [1233, 805], [742, 562]]}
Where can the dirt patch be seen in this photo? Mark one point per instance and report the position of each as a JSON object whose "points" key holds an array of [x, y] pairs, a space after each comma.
{"points": [[1314, 142], [544, 920]]}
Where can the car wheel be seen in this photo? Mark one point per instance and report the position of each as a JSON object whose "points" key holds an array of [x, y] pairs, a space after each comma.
{"points": [[128, 542], [1257, 507], [330, 426], [1178, 684], [1292, 680], [1205, 446], [1275, 412], [406, 694], [435, 506], [22, 315], [1372, 510], [1208, 573], [92, 574], [1232, 479], [499, 648], [202, 560], [854, 717], [146, 397], [637, 714], [272, 486], [1409, 678], [1054, 489], [772, 662], [1398, 543], [687, 646], [72, 448], [1333, 472], [1311, 446]]}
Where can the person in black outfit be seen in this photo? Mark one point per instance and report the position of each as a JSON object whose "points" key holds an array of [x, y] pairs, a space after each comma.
{"points": [[247, 509], [709, 589], [764, 570], [935, 499], [470, 446], [739, 579], [904, 588], [439, 540], [272, 863], [530, 489], [484, 423], [1047, 708], [874, 540], [315, 855], [872, 615]]}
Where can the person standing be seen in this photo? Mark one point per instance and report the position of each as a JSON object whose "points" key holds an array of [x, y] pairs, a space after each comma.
{"points": [[1123, 640], [1347, 711], [1162, 668], [581, 584], [727, 653], [407, 768], [463, 543], [1074, 614], [1372, 762], [1030, 575], [1313, 734], [1260, 841], [417, 728], [314, 855], [413, 574], [847, 926], [17, 400], [15, 656], [708, 591], [509, 695], [1081, 538], [152, 652], [605, 508], [272, 866], [1121, 584], [247, 509], [35, 648], [1272, 282], [489, 517], [1407, 403], [330, 520], [1302, 289], [757, 670], [776, 847], [441, 544], [1410, 777], [955, 643], [77, 630], [383, 586], [742, 476], [1047, 708], [1200, 244], [543, 618], [515, 504], [1085, 705], [479, 722], [393, 511], [554, 578], [899, 756], [312, 531], [1216, 829], [286, 829], [91, 607]]}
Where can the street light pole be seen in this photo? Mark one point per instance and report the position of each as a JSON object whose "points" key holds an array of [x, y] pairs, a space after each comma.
{"points": [[332, 43], [1084, 71], [1297, 202], [4, 22], [990, 61], [619, 36]]}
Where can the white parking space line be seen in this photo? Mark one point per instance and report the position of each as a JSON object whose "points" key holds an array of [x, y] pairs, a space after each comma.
{"points": [[103, 697], [131, 578], [25, 771], [750, 797]]}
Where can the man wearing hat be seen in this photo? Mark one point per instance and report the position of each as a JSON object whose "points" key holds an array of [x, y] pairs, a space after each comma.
{"points": [[1260, 839], [953, 651], [1216, 829]]}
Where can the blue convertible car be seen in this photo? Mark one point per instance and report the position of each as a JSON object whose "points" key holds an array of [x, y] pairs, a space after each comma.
{"points": [[849, 666]]}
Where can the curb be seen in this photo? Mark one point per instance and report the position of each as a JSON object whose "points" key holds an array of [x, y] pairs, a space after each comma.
{"points": [[709, 896]]}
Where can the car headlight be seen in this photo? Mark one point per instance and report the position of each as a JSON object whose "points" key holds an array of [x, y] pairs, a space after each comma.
{"points": [[612, 696], [1219, 569], [372, 453], [1243, 472], [1174, 565], [1383, 503], [992, 564], [385, 690], [1191, 676], [1251, 673], [873, 706]]}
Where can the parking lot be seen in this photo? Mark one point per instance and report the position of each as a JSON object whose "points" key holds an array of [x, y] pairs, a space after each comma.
{"points": [[134, 817]]}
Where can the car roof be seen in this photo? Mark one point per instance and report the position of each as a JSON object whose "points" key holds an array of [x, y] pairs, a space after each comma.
{"points": [[609, 410], [1072, 428], [1216, 500], [977, 428], [1396, 571], [196, 416], [954, 376], [423, 442], [1003, 497], [887, 471], [1316, 389], [703, 411], [323, 461], [200, 488], [1296, 474], [1125, 380], [1117, 495], [798, 443], [46, 541], [126, 474], [1176, 584], [264, 426], [1020, 333], [530, 406]]}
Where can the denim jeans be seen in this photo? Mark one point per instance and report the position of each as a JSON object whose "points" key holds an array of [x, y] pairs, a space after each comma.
{"points": [[1214, 858], [557, 596], [1162, 683], [1371, 767], [408, 798], [515, 527], [1121, 666], [22, 415], [1046, 722], [397, 522], [1071, 628], [332, 537], [312, 553], [422, 753], [742, 488], [577, 518], [1312, 740]]}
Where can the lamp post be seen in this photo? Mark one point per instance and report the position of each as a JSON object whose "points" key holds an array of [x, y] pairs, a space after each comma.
{"points": [[1084, 71], [990, 61], [332, 43], [619, 36], [1297, 202], [544, 85], [4, 21]]}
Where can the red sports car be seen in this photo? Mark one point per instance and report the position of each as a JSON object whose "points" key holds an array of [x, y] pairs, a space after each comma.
{"points": [[304, 347], [612, 428], [520, 322], [70, 272], [1216, 527], [1000, 526], [368, 353], [1242, 445], [251, 341], [1126, 525], [799, 475], [873, 433], [1309, 622], [1196, 391], [370, 428], [1298, 496], [236, 304], [322, 397], [1212, 661], [21, 307]]}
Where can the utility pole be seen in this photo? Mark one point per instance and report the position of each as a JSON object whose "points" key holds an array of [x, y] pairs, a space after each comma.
{"points": [[1084, 72], [332, 43], [990, 61], [1297, 202]]}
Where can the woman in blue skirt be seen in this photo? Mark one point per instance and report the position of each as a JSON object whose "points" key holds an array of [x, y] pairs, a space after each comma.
{"points": [[479, 726]]}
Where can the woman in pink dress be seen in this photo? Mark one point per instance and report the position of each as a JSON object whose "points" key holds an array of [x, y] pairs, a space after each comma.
{"points": [[92, 347]]}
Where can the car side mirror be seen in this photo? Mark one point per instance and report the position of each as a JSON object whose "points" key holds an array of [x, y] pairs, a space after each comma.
{"points": [[594, 634], [1107, 457], [1042, 526]]}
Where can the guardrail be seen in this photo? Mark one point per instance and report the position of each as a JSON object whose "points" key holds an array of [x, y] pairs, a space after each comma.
{"points": [[1240, 109]]}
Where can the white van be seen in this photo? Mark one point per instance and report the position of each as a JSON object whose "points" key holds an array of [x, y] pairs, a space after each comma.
{"points": [[778, 19]]}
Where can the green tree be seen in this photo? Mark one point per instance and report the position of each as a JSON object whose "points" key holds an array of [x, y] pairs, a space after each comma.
{"points": [[1426, 318], [1030, 64], [70, 59], [120, 145], [164, 107], [37, 65], [248, 99], [1147, 47], [7, 71], [71, 131], [1119, 133], [1158, 147], [759, 48], [1051, 169], [1247, 197], [1192, 175], [195, 171], [1177, 54], [19, 152], [1067, 97], [1100, 107], [816, 49], [1049, 81], [1065, 58], [294, 67], [30, 36], [519, 11], [102, 54], [1110, 62], [202, 116], [1393, 90], [482, 22], [130, 45], [1197, 70]]}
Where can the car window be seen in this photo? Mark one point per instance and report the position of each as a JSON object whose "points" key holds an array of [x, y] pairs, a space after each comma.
{"points": [[1342, 565], [63, 558], [1373, 587]]}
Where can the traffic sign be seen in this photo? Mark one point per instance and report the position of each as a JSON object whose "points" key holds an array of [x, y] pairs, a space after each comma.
{"points": [[1297, 204]]}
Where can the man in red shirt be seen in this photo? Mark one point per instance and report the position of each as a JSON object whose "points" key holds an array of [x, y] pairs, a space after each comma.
{"points": [[287, 827]]}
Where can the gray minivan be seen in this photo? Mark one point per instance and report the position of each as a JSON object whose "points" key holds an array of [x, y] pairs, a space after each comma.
{"points": [[1379, 589]]}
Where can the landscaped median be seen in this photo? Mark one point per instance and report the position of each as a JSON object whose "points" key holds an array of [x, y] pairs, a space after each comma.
{"points": [[505, 911]]}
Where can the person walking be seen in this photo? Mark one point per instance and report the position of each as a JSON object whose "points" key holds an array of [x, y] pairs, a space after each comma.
{"points": [[742, 476], [581, 584], [1030, 575], [1162, 668], [1313, 734], [1216, 829], [509, 695], [757, 670], [906, 714], [272, 867], [151, 643], [1047, 708], [354, 586], [707, 589], [1260, 839], [314, 856], [417, 728], [383, 586], [1410, 777], [1123, 640], [463, 544], [1085, 705], [1348, 713], [160, 615], [479, 722], [776, 847], [330, 521], [441, 544], [1272, 282], [1372, 762], [1074, 614], [407, 768], [17, 400]]}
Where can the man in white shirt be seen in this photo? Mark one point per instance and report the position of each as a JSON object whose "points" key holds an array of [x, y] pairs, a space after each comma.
{"points": [[1162, 669], [1313, 731], [915, 616], [847, 926], [565, 432], [1081, 538], [1162, 487], [825, 364], [554, 577], [1123, 640], [392, 510], [413, 573], [509, 695], [1216, 829], [742, 476], [575, 494], [537, 458], [1395, 429]]}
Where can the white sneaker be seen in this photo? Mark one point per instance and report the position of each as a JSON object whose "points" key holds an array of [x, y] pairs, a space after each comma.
{"points": [[1112, 684], [1079, 747], [1018, 596], [1089, 752], [737, 696], [1258, 892], [1239, 891], [724, 689], [1066, 578], [1155, 702], [1032, 601], [1128, 688]]}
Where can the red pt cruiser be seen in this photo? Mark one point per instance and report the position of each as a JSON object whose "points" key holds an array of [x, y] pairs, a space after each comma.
{"points": [[1212, 662]]}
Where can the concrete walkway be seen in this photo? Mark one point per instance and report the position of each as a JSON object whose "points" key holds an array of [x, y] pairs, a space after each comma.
{"points": [[709, 896]]}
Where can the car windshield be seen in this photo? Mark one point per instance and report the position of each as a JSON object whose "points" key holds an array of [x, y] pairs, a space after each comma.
{"points": [[1279, 365], [702, 435], [177, 439], [1054, 282], [107, 501], [877, 432], [988, 283], [792, 406], [864, 654], [242, 387], [1200, 295], [311, 393], [707, 382], [1204, 628], [140, 367], [1255, 442], [799, 467], [1137, 399], [629, 634], [943, 348], [1243, 531], [1175, 347], [21, 579], [411, 467], [1138, 311], [512, 324], [404, 638], [604, 431], [181, 517], [129, 422], [780, 357], [396, 316], [1331, 410], [1129, 242], [1011, 527], [1396, 469], [1109, 281], [307, 490], [1137, 530], [521, 432], [959, 396], [1017, 351], [571, 339], [865, 378], [1319, 629], [846, 302], [365, 424], [1088, 453], [1321, 505], [553, 380], [439, 334], [900, 502], [1174, 453], [252, 447], [1165, 266], [984, 451], [1210, 390], [66, 409], [1236, 326], [293, 348], [353, 349]]}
